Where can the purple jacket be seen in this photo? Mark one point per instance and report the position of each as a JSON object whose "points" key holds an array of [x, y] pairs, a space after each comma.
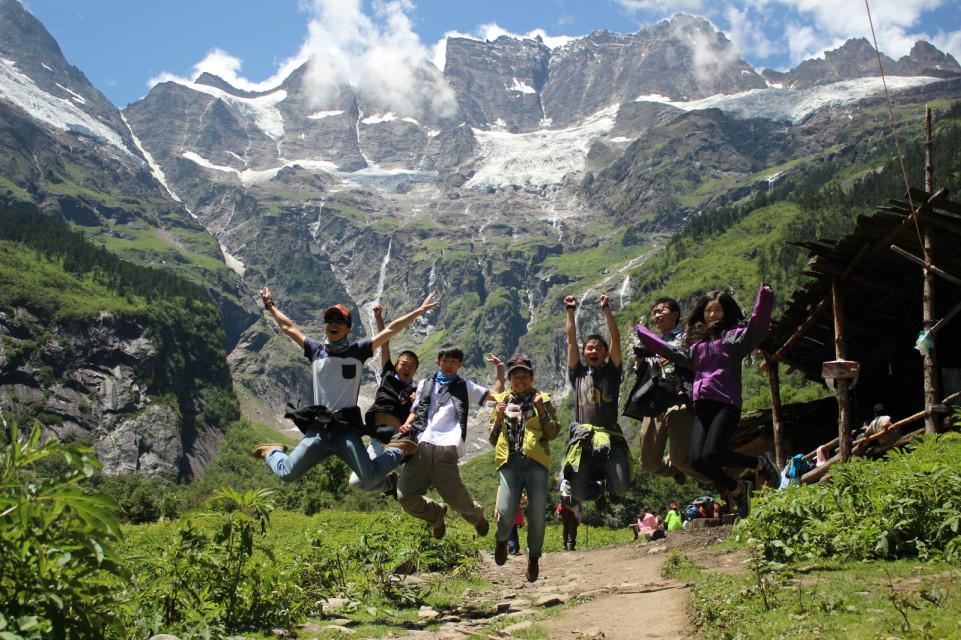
{"points": [[717, 362]]}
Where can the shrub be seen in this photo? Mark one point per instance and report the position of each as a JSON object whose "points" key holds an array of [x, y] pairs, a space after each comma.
{"points": [[907, 504], [58, 574]]}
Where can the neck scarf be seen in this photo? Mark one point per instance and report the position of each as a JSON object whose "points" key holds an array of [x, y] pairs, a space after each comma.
{"points": [[336, 346], [443, 379]]}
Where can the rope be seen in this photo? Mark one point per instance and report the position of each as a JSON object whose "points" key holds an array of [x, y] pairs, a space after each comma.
{"points": [[894, 130]]}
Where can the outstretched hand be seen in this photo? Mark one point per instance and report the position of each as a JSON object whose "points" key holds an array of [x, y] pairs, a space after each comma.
{"points": [[570, 302], [378, 311], [266, 298], [605, 301], [494, 360], [427, 304], [766, 288]]}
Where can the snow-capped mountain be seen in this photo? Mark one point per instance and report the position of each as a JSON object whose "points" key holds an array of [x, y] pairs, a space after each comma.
{"points": [[545, 173]]}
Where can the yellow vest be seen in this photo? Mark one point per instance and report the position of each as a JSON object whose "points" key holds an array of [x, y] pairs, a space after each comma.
{"points": [[538, 432]]}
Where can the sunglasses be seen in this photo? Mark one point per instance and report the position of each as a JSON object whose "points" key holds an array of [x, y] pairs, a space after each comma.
{"points": [[335, 320]]}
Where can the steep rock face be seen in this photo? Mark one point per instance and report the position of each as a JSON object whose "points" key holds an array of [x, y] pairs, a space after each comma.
{"points": [[856, 58], [498, 83], [682, 59], [90, 381]]}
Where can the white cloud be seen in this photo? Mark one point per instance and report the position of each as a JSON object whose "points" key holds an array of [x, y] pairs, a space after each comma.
{"points": [[492, 31], [220, 63], [661, 7], [380, 56]]}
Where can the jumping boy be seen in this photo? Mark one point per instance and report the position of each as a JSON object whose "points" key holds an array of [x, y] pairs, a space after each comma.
{"points": [[597, 451], [392, 404], [438, 422], [337, 366]]}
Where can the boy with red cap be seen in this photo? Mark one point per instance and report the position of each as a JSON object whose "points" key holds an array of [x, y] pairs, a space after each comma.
{"points": [[337, 365]]}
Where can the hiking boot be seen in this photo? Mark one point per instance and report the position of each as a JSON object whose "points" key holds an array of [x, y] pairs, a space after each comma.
{"points": [[679, 477], [500, 552], [482, 527], [407, 447], [743, 499], [263, 450], [601, 501], [391, 491], [532, 569], [767, 469], [440, 527]]}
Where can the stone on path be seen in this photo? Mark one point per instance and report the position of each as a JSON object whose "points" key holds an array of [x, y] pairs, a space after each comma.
{"points": [[551, 600], [514, 628]]}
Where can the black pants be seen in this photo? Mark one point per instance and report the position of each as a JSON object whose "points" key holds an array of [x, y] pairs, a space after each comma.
{"points": [[713, 428], [569, 522]]}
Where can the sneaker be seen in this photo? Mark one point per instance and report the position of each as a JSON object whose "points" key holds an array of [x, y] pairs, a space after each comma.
{"points": [[767, 468], [391, 491], [482, 527], [532, 569], [440, 527], [407, 447], [743, 499], [500, 552], [263, 450]]}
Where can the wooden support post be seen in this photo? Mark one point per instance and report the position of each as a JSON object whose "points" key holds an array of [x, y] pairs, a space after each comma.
{"points": [[774, 379], [932, 421], [843, 384]]}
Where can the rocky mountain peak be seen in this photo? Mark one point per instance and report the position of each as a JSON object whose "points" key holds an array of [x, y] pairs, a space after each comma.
{"points": [[217, 82], [925, 59]]}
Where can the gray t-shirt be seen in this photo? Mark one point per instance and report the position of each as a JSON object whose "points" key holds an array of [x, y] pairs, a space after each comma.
{"points": [[596, 394], [337, 376]]}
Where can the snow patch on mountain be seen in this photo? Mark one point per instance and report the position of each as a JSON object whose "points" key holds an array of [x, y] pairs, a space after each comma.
{"points": [[155, 169], [60, 113], [320, 115], [521, 87], [372, 176], [262, 109], [776, 103], [537, 158]]}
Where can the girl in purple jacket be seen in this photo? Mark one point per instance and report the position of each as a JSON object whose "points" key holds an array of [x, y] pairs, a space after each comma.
{"points": [[717, 339]]}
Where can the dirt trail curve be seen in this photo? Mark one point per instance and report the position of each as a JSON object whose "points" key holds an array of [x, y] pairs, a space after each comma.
{"points": [[626, 595]]}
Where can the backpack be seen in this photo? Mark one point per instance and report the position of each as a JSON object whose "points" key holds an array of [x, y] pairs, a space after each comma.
{"points": [[796, 468]]}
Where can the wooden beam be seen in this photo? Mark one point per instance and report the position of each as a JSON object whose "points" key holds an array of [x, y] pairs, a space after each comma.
{"points": [[800, 331], [843, 385], [932, 420], [774, 380], [933, 269]]}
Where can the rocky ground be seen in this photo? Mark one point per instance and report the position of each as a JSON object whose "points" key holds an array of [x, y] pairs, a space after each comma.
{"points": [[611, 593]]}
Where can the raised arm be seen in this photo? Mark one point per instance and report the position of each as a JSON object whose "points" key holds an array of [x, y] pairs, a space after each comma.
{"points": [[760, 320], [615, 353], [499, 376], [379, 324], [654, 342], [570, 307], [400, 323], [286, 324]]}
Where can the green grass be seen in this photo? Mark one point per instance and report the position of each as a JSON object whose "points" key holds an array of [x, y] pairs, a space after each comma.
{"points": [[17, 192], [843, 600]]}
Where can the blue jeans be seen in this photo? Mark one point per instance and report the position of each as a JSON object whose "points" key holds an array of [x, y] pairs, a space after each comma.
{"points": [[347, 445], [374, 449], [517, 474], [616, 471]]}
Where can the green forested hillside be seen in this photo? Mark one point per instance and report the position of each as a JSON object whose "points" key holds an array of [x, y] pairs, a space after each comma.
{"points": [[737, 247]]}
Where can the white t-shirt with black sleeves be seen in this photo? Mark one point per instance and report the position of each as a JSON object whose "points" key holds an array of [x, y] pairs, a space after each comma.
{"points": [[337, 376], [443, 426]]}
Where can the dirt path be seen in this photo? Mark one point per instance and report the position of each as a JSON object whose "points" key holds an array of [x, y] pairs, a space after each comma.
{"points": [[623, 594]]}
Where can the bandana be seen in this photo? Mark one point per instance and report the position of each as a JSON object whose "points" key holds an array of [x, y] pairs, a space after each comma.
{"points": [[336, 346], [443, 379]]}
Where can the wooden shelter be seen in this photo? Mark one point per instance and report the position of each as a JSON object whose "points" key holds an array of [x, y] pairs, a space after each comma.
{"points": [[855, 324]]}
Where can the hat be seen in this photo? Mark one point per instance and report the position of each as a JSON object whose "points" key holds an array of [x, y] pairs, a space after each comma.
{"points": [[520, 363], [338, 310]]}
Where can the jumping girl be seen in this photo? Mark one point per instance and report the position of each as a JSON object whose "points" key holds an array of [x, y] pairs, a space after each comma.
{"points": [[717, 339]]}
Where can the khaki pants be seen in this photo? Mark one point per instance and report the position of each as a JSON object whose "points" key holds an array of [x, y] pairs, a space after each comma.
{"points": [[673, 427], [435, 466]]}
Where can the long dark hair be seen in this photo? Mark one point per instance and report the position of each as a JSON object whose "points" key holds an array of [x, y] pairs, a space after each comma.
{"points": [[697, 330]]}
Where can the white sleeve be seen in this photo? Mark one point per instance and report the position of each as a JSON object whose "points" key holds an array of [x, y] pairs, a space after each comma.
{"points": [[420, 388], [476, 394]]}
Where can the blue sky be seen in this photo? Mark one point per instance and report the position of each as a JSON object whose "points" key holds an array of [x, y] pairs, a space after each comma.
{"points": [[124, 45]]}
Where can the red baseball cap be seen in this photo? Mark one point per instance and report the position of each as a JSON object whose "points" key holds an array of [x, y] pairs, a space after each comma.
{"points": [[338, 310]]}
